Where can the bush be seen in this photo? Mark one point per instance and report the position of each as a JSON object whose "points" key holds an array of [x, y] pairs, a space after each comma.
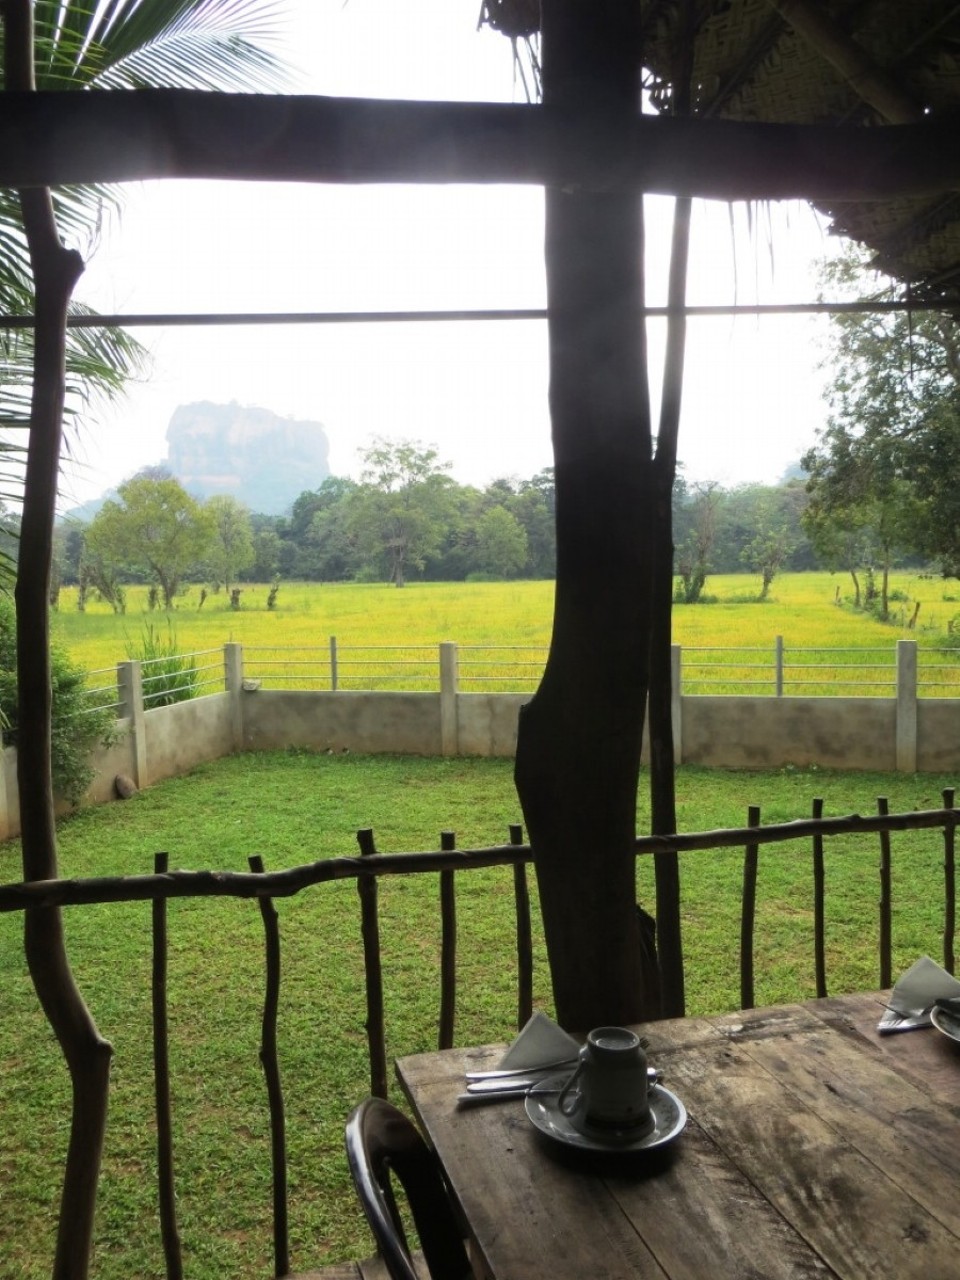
{"points": [[168, 676], [75, 730]]}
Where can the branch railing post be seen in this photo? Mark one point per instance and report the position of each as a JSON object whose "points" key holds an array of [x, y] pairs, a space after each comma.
{"points": [[448, 947], [886, 924], [166, 1190], [949, 885], [270, 1061], [373, 967], [819, 891], [521, 895], [748, 911]]}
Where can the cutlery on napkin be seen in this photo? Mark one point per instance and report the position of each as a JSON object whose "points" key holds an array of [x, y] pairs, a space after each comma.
{"points": [[922, 986], [541, 1046]]}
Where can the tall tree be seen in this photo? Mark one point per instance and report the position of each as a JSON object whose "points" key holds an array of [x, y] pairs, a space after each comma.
{"points": [[887, 460], [231, 542], [398, 511], [155, 528]]}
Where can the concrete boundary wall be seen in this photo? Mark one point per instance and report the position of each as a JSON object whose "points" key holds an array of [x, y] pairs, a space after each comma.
{"points": [[903, 733]]}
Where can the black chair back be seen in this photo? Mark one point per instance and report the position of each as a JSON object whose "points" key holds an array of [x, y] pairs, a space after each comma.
{"points": [[381, 1141]]}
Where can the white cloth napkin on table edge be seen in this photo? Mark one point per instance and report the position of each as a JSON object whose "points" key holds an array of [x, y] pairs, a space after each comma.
{"points": [[914, 994], [541, 1041]]}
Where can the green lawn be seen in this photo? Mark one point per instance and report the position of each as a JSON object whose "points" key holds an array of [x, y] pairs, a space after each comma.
{"points": [[295, 807]]}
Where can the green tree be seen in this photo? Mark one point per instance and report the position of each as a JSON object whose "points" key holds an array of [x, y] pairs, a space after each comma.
{"points": [[887, 460], [124, 44], [399, 510], [501, 543], [696, 532], [768, 549], [266, 556], [156, 527], [231, 547], [76, 730]]}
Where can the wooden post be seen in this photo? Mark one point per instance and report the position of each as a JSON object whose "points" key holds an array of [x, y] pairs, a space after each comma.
{"points": [[578, 748], [87, 1055]]}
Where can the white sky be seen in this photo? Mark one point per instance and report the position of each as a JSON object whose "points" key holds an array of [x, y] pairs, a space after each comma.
{"points": [[478, 391]]}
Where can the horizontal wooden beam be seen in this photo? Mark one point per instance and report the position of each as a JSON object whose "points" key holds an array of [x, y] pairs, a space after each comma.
{"points": [[55, 139]]}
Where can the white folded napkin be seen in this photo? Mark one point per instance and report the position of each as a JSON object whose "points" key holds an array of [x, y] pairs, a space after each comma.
{"points": [[914, 994], [541, 1042]]}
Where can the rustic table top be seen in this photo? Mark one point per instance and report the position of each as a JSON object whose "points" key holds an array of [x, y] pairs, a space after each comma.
{"points": [[814, 1148]]}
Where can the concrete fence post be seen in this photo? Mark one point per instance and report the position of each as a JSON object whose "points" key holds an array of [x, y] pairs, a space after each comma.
{"points": [[676, 717], [130, 698], [906, 706], [778, 659], [449, 677], [233, 683]]}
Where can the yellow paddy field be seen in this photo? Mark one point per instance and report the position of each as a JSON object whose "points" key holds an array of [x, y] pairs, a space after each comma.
{"points": [[802, 609]]}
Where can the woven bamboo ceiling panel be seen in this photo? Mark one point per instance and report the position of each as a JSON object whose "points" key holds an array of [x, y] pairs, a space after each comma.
{"points": [[868, 62]]}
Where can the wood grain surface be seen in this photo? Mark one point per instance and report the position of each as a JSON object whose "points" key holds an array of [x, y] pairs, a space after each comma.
{"points": [[814, 1148]]}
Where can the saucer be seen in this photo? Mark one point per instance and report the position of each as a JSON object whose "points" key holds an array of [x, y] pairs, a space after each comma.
{"points": [[947, 1023], [543, 1107]]}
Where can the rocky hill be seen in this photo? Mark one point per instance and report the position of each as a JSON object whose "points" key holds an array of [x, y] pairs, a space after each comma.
{"points": [[261, 459]]}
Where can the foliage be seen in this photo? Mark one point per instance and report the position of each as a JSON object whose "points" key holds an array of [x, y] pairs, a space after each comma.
{"points": [[168, 674], [130, 44], [294, 806], [231, 546], [882, 473], [397, 512], [76, 730], [692, 556], [155, 528]]}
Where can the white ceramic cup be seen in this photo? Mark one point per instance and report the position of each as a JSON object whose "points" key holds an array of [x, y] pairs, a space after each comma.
{"points": [[608, 1090]]}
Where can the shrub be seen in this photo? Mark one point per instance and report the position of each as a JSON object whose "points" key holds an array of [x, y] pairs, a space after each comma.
{"points": [[168, 675], [75, 730]]}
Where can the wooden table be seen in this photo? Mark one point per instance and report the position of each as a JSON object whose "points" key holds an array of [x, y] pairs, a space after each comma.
{"points": [[814, 1148]]}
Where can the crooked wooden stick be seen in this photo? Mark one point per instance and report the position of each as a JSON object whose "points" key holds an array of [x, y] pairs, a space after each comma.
{"points": [[55, 272]]}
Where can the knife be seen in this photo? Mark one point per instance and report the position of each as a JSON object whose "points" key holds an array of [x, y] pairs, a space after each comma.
{"points": [[492, 1090], [507, 1073]]}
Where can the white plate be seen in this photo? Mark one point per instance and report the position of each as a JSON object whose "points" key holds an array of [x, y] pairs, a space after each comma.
{"points": [[947, 1023], [542, 1104]]}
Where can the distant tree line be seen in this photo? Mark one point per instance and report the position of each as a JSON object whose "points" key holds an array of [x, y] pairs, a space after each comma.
{"points": [[878, 490]]}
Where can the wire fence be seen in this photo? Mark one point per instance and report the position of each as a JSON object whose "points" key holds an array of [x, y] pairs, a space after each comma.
{"points": [[711, 670]]}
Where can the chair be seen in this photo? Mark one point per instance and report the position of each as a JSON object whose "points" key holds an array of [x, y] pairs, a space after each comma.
{"points": [[381, 1141]]}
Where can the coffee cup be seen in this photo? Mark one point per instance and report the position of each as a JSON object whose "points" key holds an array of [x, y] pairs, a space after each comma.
{"points": [[608, 1089]]}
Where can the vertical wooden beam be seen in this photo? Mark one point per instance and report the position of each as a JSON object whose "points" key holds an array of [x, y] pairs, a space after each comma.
{"points": [[578, 749], [55, 273]]}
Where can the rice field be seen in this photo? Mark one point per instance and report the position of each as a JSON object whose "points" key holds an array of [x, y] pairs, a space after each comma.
{"points": [[389, 638]]}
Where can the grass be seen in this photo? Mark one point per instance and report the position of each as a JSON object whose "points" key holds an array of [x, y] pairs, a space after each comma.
{"points": [[802, 609], [293, 807]]}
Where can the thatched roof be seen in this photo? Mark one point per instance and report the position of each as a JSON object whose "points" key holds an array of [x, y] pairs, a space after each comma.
{"points": [[871, 62]]}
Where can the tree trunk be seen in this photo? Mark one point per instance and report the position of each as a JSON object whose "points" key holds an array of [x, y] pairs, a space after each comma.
{"points": [[578, 751], [55, 272]]}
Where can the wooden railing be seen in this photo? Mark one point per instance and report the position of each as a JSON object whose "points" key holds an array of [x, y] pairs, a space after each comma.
{"points": [[367, 868]]}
